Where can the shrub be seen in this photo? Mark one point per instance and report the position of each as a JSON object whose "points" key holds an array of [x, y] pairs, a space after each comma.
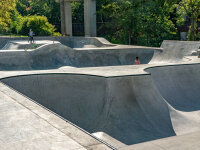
{"points": [[39, 25]]}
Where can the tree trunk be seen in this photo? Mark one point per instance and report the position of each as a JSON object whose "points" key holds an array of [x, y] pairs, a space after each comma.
{"points": [[129, 38]]}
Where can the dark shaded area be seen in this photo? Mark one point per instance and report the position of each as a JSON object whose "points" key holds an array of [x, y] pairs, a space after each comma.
{"points": [[121, 107], [179, 85]]}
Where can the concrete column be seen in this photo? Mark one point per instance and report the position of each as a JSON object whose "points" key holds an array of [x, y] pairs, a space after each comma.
{"points": [[68, 17], [90, 18], [62, 17]]}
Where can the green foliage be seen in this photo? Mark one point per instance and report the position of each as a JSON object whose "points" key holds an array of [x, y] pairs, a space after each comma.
{"points": [[139, 21], [48, 8], [21, 6], [39, 25], [192, 34], [78, 12], [190, 9], [6, 6], [16, 21], [34, 46]]}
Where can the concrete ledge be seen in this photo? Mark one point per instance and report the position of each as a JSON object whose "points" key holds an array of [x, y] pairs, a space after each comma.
{"points": [[70, 131]]}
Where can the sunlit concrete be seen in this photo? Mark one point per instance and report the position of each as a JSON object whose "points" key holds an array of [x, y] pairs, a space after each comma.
{"points": [[154, 105]]}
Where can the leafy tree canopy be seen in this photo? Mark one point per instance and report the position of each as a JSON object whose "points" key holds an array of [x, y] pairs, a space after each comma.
{"points": [[190, 9], [6, 6], [143, 22]]}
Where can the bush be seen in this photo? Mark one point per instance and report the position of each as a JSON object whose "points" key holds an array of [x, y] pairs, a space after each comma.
{"points": [[39, 25], [15, 25]]}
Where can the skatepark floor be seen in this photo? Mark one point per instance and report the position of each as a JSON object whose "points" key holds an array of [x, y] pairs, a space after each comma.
{"points": [[60, 134], [151, 106]]}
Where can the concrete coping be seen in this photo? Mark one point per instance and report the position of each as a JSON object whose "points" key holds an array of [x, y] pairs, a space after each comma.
{"points": [[74, 132]]}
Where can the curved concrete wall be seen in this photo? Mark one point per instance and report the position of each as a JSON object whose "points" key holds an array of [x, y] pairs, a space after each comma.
{"points": [[129, 109], [179, 85], [73, 42], [175, 51], [57, 55]]}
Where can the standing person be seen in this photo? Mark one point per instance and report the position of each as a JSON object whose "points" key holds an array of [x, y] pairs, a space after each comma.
{"points": [[31, 36], [137, 62]]}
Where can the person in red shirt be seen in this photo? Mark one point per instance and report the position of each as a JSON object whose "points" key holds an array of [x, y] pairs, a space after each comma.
{"points": [[137, 62]]}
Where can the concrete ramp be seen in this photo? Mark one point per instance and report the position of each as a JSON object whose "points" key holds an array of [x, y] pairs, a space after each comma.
{"points": [[128, 109], [121, 110], [175, 52], [50, 54], [24, 45], [56, 55], [179, 85]]}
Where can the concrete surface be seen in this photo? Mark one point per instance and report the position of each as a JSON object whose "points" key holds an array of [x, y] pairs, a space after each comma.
{"points": [[123, 92], [97, 101], [56, 55], [68, 18], [184, 142], [42, 130], [90, 18], [25, 45], [175, 51], [73, 42], [149, 106]]}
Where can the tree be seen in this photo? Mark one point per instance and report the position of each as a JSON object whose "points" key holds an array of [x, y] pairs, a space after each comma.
{"points": [[6, 6], [39, 24], [78, 12], [142, 22], [191, 9], [48, 8]]}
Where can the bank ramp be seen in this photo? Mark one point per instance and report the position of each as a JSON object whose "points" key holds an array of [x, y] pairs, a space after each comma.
{"points": [[130, 109]]}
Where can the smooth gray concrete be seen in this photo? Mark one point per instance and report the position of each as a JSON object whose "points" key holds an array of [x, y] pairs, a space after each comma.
{"points": [[113, 106], [73, 42], [27, 125], [68, 17], [175, 51], [184, 142], [25, 45], [118, 106], [182, 87], [81, 53], [35, 133], [90, 18], [57, 55], [62, 16]]}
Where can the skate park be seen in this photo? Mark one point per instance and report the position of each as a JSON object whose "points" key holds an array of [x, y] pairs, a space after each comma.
{"points": [[86, 93], [61, 91]]}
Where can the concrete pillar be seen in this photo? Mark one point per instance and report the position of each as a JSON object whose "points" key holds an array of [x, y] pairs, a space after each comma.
{"points": [[62, 17], [183, 36], [90, 18], [68, 17]]}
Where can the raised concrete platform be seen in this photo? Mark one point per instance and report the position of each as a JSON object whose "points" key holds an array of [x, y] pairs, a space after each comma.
{"points": [[55, 54], [27, 125], [25, 45], [149, 106]]}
